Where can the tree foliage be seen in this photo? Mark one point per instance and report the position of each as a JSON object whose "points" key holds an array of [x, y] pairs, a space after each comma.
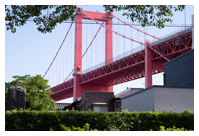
{"points": [[147, 15], [36, 96], [18, 15]]}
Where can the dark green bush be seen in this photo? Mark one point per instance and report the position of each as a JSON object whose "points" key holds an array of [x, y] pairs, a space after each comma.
{"points": [[85, 128], [133, 121], [44, 120], [162, 128]]}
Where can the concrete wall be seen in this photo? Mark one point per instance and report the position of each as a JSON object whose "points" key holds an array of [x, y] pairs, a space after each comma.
{"points": [[159, 97], [143, 101], [175, 98]]}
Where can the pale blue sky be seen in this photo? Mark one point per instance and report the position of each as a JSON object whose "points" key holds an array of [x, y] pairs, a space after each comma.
{"points": [[30, 52]]}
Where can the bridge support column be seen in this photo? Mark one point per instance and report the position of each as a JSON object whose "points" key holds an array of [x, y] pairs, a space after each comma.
{"points": [[109, 40], [148, 65], [77, 55], [109, 45]]}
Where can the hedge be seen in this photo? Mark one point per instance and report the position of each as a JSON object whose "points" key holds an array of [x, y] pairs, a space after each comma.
{"points": [[133, 121]]}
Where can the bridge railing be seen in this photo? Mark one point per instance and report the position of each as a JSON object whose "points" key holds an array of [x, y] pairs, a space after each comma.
{"points": [[118, 57], [172, 35]]}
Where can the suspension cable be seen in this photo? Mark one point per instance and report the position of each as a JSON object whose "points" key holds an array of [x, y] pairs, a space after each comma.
{"points": [[86, 50], [91, 41], [69, 75], [136, 28], [91, 46], [58, 49], [131, 42], [124, 43]]}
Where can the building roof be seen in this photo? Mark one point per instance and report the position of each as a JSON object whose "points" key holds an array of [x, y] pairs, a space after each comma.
{"points": [[143, 90], [60, 106], [127, 92]]}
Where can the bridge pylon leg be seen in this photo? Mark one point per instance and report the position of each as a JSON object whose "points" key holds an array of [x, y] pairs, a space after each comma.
{"points": [[109, 46], [148, 65], [77, 56], [109, 42]]}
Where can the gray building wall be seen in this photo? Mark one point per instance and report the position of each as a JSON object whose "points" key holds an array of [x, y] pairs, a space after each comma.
{"points": [[143, 101], [180, 71], [177, 99], [159, 97]]}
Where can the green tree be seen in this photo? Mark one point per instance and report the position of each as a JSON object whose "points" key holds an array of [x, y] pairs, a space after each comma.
{"points": [[36, 96], [147, 15]]}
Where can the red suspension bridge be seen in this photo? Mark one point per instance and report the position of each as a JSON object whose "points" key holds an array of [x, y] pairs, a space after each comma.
{"points": [[144, 60]]}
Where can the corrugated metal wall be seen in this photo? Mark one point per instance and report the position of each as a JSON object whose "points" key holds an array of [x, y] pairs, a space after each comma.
{"points": [[180, 71]]}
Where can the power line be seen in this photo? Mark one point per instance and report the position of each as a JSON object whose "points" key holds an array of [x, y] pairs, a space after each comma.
{"points": [[130, 23]]}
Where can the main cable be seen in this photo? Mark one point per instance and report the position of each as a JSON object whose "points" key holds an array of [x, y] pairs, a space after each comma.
{"points": [[58, 50]]}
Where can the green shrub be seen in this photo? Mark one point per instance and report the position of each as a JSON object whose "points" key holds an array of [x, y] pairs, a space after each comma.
{"points": [[85, 128], [186, 111], [119, 121], [162, 128], [30, 120], [44, 120]]}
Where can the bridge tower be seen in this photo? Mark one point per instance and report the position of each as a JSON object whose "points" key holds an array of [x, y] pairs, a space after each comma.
{"points": [[105, 17]]}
